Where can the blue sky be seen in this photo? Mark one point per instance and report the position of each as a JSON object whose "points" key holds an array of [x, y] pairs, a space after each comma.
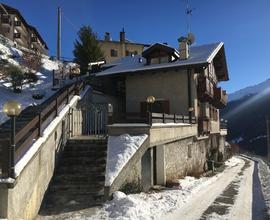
{"points": [[243, 25]]}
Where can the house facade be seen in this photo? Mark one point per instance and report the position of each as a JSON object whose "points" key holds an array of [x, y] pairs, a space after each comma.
{"points": [[184, 131], [114, 50], [14, 27]]}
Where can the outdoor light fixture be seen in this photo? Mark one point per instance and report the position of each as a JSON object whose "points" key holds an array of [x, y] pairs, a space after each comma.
{"points": [[150, 99], [12, 109], [110, 109]]}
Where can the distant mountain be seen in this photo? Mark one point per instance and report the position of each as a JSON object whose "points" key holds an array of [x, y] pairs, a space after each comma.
{"points": [[249, 91], [246, 114]]}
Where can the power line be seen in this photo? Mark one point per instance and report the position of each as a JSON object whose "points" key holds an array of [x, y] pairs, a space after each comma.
{"points": [[75, 27]]}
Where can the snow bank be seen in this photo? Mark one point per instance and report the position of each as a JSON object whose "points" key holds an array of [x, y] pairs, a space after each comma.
{"points": [[264, 174], [155, 205], [120, 150]]}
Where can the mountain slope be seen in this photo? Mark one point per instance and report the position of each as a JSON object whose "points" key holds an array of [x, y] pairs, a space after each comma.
{"points": [[249, 91], [246, 118]]}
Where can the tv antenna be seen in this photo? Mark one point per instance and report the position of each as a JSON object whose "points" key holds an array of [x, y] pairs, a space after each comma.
{"points": [[189, 12]]}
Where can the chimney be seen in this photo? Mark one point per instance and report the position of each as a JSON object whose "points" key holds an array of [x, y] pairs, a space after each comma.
{"points": [[107, 36], [122, 36], [183, 48]]}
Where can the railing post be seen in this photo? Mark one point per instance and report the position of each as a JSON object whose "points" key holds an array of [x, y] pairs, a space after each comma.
{"points": [[150, 118], [67, 95], [56, 107], [39, 124], [174, 118], [183, 119], [163, 117], [12, 148]]}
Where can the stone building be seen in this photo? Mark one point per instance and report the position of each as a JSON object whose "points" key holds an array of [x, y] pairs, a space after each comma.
{"points": [[114, 50], [184, 84], [14, 27]]}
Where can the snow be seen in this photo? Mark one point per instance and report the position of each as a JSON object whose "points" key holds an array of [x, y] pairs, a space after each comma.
{"points": [[40, 141], [169, 124], [198, 55], [120, 151], [262, 87], [44, 83], [264, 174], [156, 205]]}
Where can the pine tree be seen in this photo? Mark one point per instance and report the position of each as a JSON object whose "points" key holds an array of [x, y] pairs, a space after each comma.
{"points": [[86, 48]]}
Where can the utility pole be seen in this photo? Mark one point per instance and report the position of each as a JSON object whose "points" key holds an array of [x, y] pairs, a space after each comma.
{"points": [[59, 34], [268, 139]]}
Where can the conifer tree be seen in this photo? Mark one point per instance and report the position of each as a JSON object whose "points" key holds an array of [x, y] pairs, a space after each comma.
{"points": [[86, 48]]}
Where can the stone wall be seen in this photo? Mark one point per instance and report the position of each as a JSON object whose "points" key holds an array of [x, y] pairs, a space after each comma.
{"points": [[185, 157]]}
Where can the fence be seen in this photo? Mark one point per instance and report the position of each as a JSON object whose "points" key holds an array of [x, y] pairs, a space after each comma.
{"points": [[33, 128], [90, 120], [150, 118]]}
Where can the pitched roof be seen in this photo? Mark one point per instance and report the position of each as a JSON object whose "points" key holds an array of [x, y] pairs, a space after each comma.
{"points": [[199, 55]]}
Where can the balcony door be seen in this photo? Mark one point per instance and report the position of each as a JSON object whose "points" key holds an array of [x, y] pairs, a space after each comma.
{"points": [[159, 106]]}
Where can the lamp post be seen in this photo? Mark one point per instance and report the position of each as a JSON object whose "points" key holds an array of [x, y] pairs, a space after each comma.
{"points": [[150, 101], [77, 72], [12, 110]]}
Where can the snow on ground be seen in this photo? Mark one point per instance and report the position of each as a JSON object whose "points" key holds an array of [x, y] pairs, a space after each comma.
{"points": [[264, 174], [154, 205], [43, 85], [120, 150]]}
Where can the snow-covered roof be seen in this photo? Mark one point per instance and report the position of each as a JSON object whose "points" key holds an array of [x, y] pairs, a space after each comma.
{"points": [[199, 55]]}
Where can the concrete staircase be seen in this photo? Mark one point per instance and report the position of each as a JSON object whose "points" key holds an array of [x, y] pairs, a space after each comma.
{"points": [[78, 181]]}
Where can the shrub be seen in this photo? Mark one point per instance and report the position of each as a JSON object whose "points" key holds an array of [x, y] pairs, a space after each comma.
{"points": [[32, 61], [130, 188], [31, 77], [16, 76]]}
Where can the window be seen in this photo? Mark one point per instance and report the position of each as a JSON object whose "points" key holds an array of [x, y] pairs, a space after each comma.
{"points": [[114, 53], [189, 151], [127, 53]]}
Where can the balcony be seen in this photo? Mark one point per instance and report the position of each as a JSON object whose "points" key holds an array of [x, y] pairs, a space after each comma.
{"points": [[205, 89], [203, 125], [17, 35], [220, 98], [17, 23], [34, 39], [5, 20]]}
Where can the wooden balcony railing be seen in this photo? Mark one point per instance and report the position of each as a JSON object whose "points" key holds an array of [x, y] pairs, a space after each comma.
{"points": [[205, 89], [5, 20], [220, 98], [151, 118], [17, 35], [34, 39], [203, 125], [17, 23]]}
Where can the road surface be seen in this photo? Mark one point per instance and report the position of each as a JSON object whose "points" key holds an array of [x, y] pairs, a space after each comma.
{"points": [[235, 195]]}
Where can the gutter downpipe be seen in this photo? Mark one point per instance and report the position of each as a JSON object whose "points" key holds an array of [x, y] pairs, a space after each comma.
{"points": [[190, 106]]}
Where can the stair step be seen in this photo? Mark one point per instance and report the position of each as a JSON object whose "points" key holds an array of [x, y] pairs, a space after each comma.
{"points": [[81, 161], [80, 188], [88, 154], [79, 178], [80, 169], [66, 201]]}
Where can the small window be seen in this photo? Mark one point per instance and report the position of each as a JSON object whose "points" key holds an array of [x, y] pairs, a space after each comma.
{"points": [[127, 53], [114, 53], [189, 151]]}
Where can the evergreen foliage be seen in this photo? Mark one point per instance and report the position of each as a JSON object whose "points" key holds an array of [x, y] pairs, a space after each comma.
{"points": [[86, 48]]}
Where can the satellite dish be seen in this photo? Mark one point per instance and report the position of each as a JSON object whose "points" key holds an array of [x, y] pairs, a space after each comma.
{"points": [[190, 38]]}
